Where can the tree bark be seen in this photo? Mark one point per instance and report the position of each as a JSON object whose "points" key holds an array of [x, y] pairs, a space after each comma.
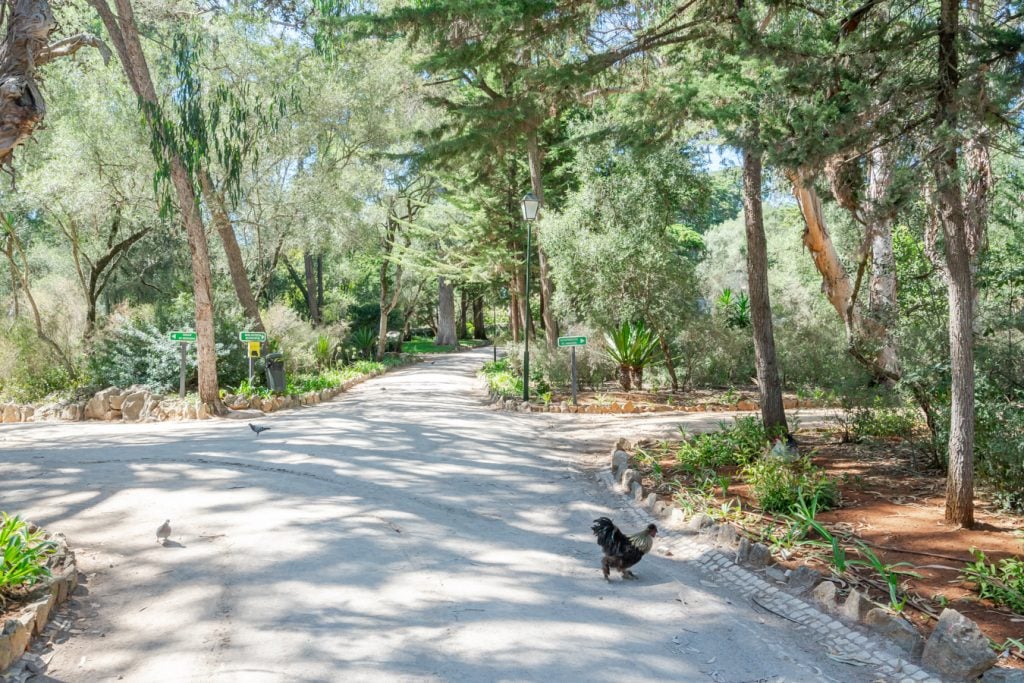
{"points": [[772, 412], [445, 313], [461, 330], [22, 107], [882, 288], [513, 315], [125, 36], [311, 298], [217, 206], [479, 322], [547, 287], [963, 226]]}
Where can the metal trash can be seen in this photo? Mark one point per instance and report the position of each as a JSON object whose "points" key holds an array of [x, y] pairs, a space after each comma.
{"points": [[275, 372]]}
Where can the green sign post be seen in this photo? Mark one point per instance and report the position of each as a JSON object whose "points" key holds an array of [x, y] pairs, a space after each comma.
{"points": [[252, 336], [572, 343], [183, 338]]}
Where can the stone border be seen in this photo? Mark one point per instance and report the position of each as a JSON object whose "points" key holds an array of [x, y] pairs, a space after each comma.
{"points": [[956, 649], [138, 404], [515, 405], [30, 620]]}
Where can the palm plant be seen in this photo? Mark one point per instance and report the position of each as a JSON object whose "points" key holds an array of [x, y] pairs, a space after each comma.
{"points": [[632, 346], [365, 341]]}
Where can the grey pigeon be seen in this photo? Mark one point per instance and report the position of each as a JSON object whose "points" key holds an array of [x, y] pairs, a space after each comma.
{"points": [[257, 428], [163, 532]]}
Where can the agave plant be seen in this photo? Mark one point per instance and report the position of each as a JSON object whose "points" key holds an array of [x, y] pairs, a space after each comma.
{"points": [[323, 352], [633, 347]]}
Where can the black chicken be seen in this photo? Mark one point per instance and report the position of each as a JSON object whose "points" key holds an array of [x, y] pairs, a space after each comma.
{"points": [[621, 551]]}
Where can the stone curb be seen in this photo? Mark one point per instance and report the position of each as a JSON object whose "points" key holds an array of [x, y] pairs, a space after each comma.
{"points": [[894, 645], [513, 405], [138, 404], [16, 632]]}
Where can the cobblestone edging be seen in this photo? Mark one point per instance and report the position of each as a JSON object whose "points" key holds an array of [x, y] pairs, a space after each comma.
{"points": [[956, 649], [17, 631]]}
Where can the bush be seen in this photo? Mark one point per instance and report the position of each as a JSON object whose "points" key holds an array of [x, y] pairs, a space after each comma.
{"points": [[22, 554], [501, 379], [736, 444], [778, 486], [1002, 583], [881, 421], [29, 369]]}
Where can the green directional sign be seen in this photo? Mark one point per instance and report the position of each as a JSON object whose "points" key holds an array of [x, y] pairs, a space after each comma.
{"points": [[181, 336], [572, 341], [252, 336]]}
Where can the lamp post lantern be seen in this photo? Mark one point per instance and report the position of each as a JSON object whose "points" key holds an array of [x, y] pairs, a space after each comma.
{"points": [[531, 205]]}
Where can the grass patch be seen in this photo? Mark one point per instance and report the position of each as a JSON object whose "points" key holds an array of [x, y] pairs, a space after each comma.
{"points": [[326, 379], [427, 345]]}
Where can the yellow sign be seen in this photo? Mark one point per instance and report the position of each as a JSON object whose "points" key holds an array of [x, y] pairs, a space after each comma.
{"points": [[254, 349]]}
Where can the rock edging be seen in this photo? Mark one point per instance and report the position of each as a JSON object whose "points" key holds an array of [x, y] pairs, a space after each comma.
{"points": [[957, 650], [514, 405], [139, 404], [17, 631]]}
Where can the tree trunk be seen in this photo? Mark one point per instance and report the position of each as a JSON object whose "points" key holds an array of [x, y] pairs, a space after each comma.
{"points": [[772, 412], [445, 314], [479, 323], [513, 315], [547, 287], [236, 266], [882, 305], [963, 227], [460, 328], [125, 36], [311, 289], [525, 319], [666, 351]]}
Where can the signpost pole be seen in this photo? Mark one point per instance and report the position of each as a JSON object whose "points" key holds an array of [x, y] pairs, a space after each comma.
{"points": [[573, 349], [250, 371], [181, 385]]}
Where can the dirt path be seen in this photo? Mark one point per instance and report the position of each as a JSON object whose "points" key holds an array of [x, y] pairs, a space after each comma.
{"points": [[404, 531]]}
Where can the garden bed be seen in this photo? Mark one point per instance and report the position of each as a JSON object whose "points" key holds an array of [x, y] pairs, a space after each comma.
{"points": [[889, 498]]}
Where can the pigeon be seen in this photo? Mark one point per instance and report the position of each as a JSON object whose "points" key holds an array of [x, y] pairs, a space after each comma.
{"points": [[257, 428], [163, 532]]}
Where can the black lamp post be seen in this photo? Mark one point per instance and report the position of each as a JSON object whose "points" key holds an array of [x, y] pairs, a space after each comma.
{"points": [[531, 205]]}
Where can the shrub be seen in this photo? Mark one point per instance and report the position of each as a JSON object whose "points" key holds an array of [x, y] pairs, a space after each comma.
{"points": [[737, 444], [1003, 583], [22, 554], [879, 420], [501, 379], [364, 342], [29, 369], [778, 486], [632, 346]]}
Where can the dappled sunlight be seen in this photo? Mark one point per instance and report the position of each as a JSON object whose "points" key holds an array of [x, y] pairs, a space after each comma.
{"points": [[383, 528]]}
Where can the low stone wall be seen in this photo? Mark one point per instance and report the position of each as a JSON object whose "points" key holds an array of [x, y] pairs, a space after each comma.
{"points": [[17, 630], [956, 650], [139, 404]]}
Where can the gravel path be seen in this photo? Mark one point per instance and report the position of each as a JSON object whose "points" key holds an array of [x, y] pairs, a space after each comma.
{"points": [[403, 532]]}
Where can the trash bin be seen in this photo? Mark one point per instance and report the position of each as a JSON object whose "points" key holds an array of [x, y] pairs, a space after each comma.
{"points": [[275, 372]]}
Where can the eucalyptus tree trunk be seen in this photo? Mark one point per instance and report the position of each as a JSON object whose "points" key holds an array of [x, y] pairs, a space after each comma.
{"points": [[124, 34], [461, 330], [25, 48], [513, 315], [445, 313], [309, 264], [217, 205], [547, 287], [772, 412], [390, 287]]}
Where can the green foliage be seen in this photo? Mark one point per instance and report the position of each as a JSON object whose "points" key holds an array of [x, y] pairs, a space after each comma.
{"points": [[28, 369], [880, 421], [737, 444], [363, 341], [502, 379], [890, 573], [22, 554], [425, 345], [1001, 582], [734, 308], [779, 486], [632, 346]]}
